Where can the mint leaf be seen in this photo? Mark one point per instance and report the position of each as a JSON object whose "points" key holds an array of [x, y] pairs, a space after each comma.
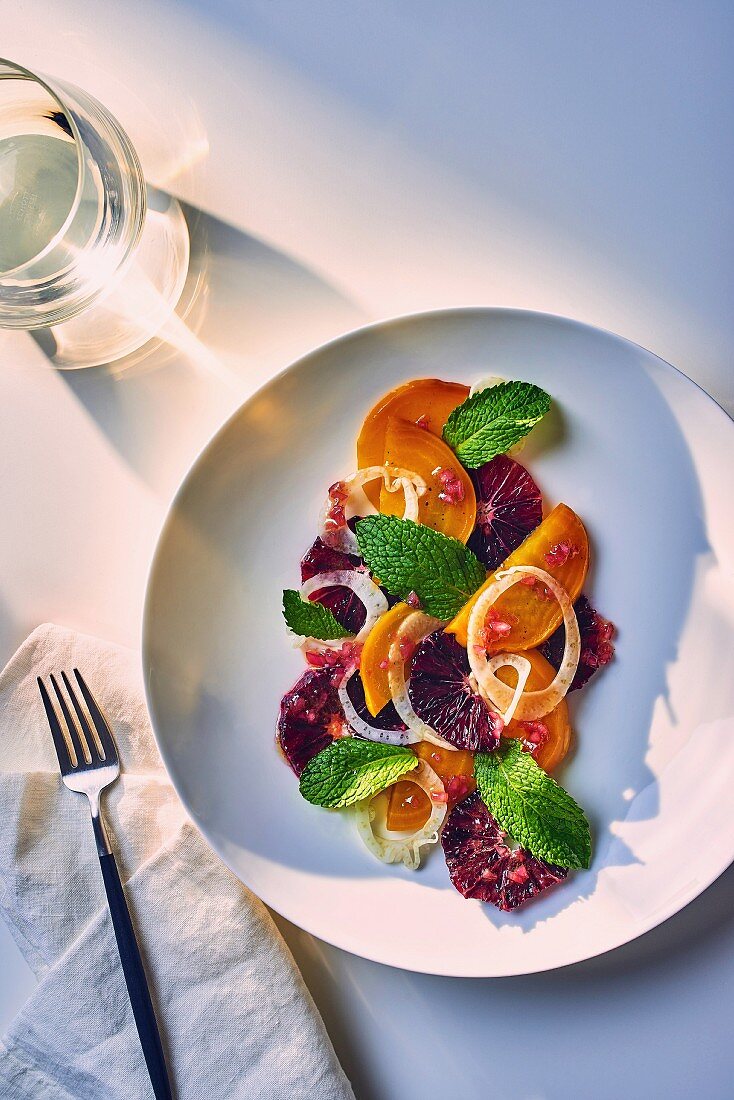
{"points": [[311, 619], [491, 421], [349, 770], [531, 807], [409, 557]]}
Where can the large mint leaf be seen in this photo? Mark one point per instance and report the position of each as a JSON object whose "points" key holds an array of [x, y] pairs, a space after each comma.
{"points": [[410, 557], [310, 619], [531, 806], [491, 421], [349, 770]]}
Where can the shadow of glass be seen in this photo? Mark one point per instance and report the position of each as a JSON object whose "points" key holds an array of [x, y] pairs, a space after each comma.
{"points": [[247, 309]]}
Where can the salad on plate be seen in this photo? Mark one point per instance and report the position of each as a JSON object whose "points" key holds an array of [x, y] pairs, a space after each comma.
{"points": [[443, 622]]}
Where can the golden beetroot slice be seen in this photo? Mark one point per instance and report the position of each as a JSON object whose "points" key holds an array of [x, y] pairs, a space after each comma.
{"points": [[426, 402], [409, 806], [374, 662], [448, 503], [449, 765], [526, 614], [547, 738]]}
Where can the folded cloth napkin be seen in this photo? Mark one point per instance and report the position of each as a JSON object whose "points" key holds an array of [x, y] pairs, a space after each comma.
{"points": [[236, 1019]]}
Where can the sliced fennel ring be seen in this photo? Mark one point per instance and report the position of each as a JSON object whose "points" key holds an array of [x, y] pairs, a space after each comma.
{"points": [[363, 587], [413, 630], [394, 478], [522, 666], [364, 729], [405, 849]]}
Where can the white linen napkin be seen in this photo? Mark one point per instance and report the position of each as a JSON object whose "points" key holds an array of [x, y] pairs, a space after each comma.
{"points": [[236, 1019]]}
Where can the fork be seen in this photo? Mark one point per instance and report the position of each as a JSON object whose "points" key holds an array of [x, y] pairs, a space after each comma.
{"points": [[89, 763]]}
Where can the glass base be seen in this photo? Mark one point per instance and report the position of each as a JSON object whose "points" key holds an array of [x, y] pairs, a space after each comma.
{"points": [[137, 305]]}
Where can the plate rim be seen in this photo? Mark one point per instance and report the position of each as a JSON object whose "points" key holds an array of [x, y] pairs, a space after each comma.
{"points": [[449, 312]]}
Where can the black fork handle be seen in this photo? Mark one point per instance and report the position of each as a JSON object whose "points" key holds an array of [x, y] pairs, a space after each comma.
{"points": [[137, 985]]}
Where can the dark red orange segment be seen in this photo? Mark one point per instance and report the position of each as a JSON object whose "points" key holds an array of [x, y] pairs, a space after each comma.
{"points": [[509, 507]]}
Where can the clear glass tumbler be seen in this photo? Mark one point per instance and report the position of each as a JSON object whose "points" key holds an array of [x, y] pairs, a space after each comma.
{"points": [[88, 252]]}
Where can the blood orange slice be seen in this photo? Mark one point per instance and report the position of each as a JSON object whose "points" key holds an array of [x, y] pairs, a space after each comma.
{"points": [[482, 865], [509, 507], [443, 696], [387, 718], [597, 648], [311, 717], [344, 605]]}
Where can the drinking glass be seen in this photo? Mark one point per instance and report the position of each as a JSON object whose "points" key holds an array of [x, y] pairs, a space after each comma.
{"points": [[89, 254]]}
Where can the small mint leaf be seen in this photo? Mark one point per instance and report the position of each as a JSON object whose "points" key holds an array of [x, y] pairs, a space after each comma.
{"points": [[410, 557], [491, 421], [349, 770], [531, 806], [310, 619]]}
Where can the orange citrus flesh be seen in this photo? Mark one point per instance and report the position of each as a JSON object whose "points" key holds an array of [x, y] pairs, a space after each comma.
{"points": [[414, 448], [555, 745], [409, 806], [428, 400], [532, 613], [375, 655]]}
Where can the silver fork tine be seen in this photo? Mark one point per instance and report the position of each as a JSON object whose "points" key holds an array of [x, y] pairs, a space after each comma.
{"points": [[91, 735], [63, 749], [106, 739], [81, 748]]}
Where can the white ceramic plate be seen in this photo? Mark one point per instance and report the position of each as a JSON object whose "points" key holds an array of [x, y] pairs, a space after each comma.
{"points": [[646, 458]]}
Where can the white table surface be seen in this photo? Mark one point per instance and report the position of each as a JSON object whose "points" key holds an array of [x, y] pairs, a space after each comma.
{"points": [[369, 158]]}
